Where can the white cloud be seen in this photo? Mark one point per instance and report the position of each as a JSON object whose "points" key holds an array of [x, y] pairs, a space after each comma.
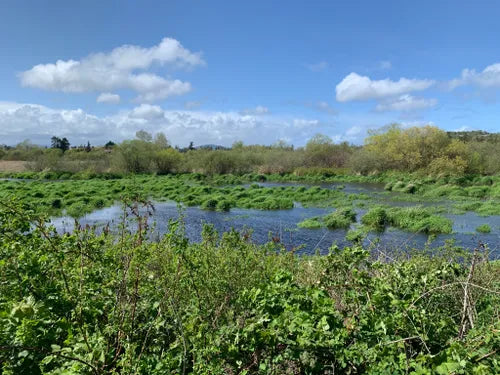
{"points": [[405, 103], [259, 110], [147, 112], [107, 97], [117, 70], [40, 123], [317, 67], [488, 78], [357, 87], [304, 123], [354, 131]]}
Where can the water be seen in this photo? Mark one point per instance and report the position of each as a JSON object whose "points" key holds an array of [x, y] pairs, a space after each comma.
{"points": [[281, 225]]}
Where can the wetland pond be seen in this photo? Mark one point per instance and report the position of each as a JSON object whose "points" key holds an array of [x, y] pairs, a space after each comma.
{"points": [[281, 225]]}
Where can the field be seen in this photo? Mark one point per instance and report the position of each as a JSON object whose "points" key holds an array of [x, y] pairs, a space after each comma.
{"points": [[12, 166]]}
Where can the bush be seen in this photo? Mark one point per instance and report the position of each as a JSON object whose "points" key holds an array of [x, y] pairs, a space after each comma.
{"points": [[484, 228], [375, 218]]}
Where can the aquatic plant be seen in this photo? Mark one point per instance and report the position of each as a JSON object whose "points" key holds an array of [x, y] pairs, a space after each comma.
{"points": [[484, 228]]}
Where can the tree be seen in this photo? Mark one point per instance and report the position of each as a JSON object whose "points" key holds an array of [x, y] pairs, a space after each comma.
{"points": [[161, 140], [109, 144], [62, 144], [144, 136], [88, 148]]}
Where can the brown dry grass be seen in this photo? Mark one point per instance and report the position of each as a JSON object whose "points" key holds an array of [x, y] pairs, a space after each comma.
{"points": [[12, 166]]}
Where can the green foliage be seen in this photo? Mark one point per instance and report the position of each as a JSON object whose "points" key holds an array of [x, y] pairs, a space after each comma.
{"points": [[484, 228], [376, 218], [412, 219], [87, 303]]}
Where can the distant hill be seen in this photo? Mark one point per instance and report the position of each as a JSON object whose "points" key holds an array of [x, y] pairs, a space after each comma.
{"points": [[475, 135]]}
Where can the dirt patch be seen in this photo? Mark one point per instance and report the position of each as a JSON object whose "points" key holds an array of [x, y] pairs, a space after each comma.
{"points": [[12, 166]]}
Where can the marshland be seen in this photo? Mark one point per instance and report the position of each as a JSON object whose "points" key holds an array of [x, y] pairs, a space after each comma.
{"points": [[142, 258]]}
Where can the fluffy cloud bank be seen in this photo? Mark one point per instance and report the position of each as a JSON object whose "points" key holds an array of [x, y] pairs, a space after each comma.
{"points": [[124, 67], [39, 123], [488, 78], [357, 87]]}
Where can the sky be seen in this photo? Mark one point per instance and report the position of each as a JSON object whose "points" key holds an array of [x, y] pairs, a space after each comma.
{"points": [[216, 72]]}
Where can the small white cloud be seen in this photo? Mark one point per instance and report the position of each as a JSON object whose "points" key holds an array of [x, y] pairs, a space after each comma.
{"points": [[405, 103], [463, 128], [259, 110], [117, 70], [357, 87], [317, 67], [304, 123], [488, 78], [107, 97], [353, 131]]}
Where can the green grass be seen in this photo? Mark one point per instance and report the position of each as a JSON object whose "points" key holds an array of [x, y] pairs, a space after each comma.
{"points": [[413, 219], [484, 228]]}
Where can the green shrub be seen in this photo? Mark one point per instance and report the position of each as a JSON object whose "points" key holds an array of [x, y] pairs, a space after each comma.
{"points": [[484, 228], [311, 223], [375, 218]]}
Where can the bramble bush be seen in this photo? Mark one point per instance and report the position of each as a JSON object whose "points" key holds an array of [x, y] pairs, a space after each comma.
{"points": [[122, 303]]}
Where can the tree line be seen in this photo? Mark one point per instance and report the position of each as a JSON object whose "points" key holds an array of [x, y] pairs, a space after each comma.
{"points": [[427, 149]]}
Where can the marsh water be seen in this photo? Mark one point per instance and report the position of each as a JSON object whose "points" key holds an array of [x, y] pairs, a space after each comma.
{"points": [[281, 225]]}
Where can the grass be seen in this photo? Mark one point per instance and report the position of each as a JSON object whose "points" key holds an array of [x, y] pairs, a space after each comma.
{"points": [[484, 228], [78, 197], [415, 219], [342, 218]]}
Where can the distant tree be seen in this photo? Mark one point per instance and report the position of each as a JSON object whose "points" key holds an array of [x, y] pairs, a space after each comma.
{"points": [[161, 140], [237, 145], [143, 135], [110, 144], [62, 144], [191, 146], [88, 148]]}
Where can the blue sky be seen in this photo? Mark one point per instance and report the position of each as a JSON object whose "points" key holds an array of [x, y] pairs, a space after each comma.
{"points": [[259, 71]]}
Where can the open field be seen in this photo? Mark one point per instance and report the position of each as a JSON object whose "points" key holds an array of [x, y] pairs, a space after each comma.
{"points": [[12, 166]]}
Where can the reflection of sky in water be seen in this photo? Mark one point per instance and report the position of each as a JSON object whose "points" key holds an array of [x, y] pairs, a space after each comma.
{"points": [[282, 224]]}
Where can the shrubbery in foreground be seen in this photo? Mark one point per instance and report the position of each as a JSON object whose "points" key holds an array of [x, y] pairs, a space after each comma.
{"points": [[87, 303]]}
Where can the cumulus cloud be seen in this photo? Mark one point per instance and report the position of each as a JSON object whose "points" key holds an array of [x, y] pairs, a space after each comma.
{"points": [[40, 123], [124, 67], [357, 87], [259, 110], [107, 97], [405, 103], [488, 78]]}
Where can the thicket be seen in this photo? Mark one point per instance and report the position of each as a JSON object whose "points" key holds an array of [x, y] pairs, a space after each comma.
{"points": [[87, 303], [426, 150]]}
